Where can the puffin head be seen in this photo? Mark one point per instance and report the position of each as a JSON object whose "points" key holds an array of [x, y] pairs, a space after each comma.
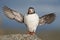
{"points": [[31, 10]]}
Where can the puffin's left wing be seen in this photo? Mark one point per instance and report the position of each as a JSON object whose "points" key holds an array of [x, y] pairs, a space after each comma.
{"points": [[47, 19]]}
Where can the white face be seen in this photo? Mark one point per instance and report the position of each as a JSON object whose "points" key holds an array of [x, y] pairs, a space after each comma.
{"points": [[31, 11]]}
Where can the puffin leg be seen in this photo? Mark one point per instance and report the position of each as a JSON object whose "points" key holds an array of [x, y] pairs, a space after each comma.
{"points": [[31, 33]]}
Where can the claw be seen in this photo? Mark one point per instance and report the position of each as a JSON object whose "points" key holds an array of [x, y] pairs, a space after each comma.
{"points": [[31, 33]]}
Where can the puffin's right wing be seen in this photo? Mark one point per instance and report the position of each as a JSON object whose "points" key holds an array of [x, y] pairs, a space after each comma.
{"points": [[12, 14], [47, 19]]}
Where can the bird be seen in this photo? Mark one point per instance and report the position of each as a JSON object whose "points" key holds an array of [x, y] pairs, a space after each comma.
{"points": [[30, 19]]}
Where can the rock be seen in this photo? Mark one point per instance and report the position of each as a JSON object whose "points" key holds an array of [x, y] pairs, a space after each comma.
{"points": [[19, 37]]}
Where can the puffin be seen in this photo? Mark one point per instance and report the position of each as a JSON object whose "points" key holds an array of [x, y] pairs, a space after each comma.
{"points": [[30, 19]]}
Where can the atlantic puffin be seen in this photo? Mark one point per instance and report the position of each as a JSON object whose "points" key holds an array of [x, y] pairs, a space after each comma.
{"points": [[31, 19]]}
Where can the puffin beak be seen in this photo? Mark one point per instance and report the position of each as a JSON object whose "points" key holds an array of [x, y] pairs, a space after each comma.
{"points": [[30, 11]]}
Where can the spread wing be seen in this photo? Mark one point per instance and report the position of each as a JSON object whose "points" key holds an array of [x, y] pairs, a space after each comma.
{"points": [[12, 14], [47, 19]]}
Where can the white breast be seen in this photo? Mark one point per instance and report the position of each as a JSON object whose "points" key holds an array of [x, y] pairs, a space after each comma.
{"points": [[31, 21]]}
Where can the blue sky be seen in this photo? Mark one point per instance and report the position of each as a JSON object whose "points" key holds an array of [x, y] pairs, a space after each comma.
{"points": [[42, 7]]}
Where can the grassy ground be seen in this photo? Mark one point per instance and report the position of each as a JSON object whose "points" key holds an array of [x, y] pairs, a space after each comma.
{"points": [[44, 35], [50, 35]]}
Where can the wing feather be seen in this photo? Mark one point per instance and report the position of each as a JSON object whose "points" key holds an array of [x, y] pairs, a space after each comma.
{"points": [[12, 14], [48, 18]]}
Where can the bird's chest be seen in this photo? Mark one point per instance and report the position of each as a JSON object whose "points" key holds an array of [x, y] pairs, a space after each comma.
{"points": [[31, 19]]}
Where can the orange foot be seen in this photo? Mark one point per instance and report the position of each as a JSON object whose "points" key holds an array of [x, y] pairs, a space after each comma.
{"points": [[31, 33]]}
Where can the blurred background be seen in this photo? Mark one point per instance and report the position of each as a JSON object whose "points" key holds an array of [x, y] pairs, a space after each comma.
{"points": [[42, 7]]}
